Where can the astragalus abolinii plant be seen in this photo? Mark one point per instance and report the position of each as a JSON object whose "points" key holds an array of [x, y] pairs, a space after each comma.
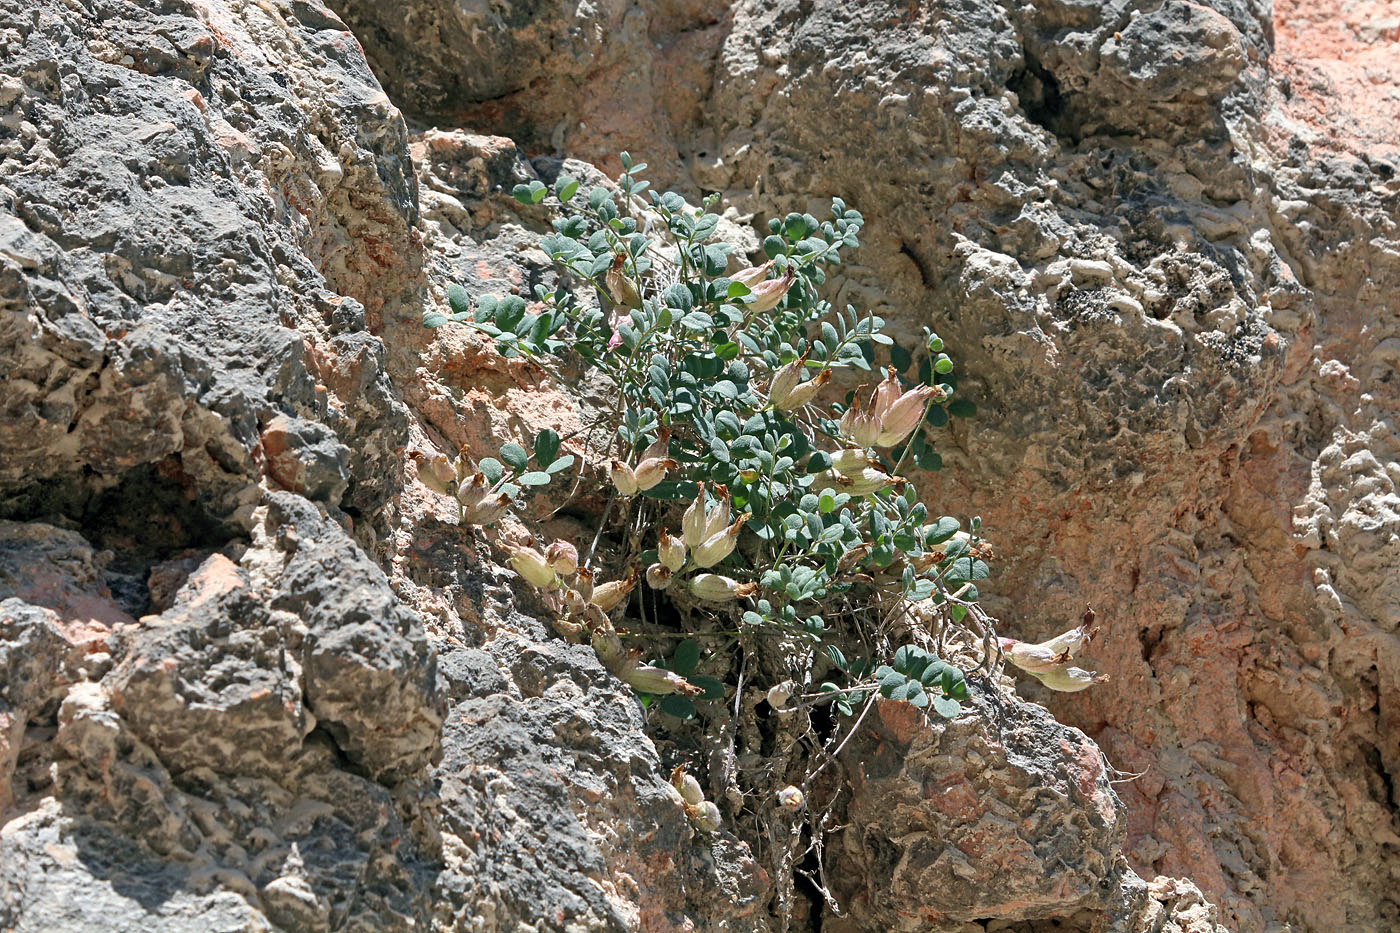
{"points": [[758, 447]]}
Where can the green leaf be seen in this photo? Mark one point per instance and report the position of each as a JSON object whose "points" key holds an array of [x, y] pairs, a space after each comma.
{"points": [[491, 468], [514, 455], [942, 530], [565, 187], [713, 686], [522, 194], [560, 464], [458, 299], [546, 446], [962, 408], [534, 478], [739, 290], [946, 707], [773, 246], [434, 319], [671, 490], [697, 320], [837, 657], [686, 656], [678, 706], [900, 358], [677, 296], [537, 192], [509, 312]]}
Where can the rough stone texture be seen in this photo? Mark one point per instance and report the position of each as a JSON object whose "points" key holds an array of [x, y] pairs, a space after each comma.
{"points": [[1161, 241]]}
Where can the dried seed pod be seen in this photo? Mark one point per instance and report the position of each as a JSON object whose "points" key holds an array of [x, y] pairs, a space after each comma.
{"points": [[753, 275], [648, 679], [718, 589], [705, 817], [652, 471], [531, 565], [717, 517], [719, 545], [693, 521], [766, 295], [1069, 679], [804, 393], [671, 550], [623, 477], [620, 288], [486, 511], [607, 596], [862, 483], [859, 424], [688, 786], [779, 694], [658, 576], [563, 557], [790, 798], [785, 380], [903, 416], [583, 582]]}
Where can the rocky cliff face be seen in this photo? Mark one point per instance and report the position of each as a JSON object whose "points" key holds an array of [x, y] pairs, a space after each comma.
{"points": [[254, 676]]}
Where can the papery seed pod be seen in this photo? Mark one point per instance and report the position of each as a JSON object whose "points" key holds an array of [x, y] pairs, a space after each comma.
{"points": [[860, 425], [463, 466], [885, 393], [779, 694], [652, 471], [620, 288], [718, 589], [717, 516], [903, 416], [607, 596], [1054, 652], [852, 557], [804, 393], [785, 380], [609, 648], [583, 582], [688, 786], [766, 295], [719, 545], [436, 472], [671, 550], [850, 461], [790, 798], [659, 448], [574, 601], [531, 565], [648, 679], [862, 483], [570, 629], [487, 511], [693, 521], [1069, 679], [658, 576], [563, 557], [472, 491], [705, 817], [623, 478], [753, 275]]}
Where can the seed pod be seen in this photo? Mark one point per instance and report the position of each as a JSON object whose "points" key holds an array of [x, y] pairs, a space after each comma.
{"points": [[563, 557], [850, 461], [486, 511], [766, 295], [659, 448], [779, 694], [531, 565], [671, 550], [688, 786], [718, 589], [658, 576], [607, 596], [753, 275], [583, 582], [623, 478], [785, 380], [705, 817], [1055, 652], [609, 648], [693, 521], [652, 471], [862, 483], [806, 392], [658, 680], [472, 491], [860, 425], [903, 416], [620, 288], [885, 393], [790, 798], [574, 601], [719, 545], [852, 557], [1068, 679], [717, 518]]}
